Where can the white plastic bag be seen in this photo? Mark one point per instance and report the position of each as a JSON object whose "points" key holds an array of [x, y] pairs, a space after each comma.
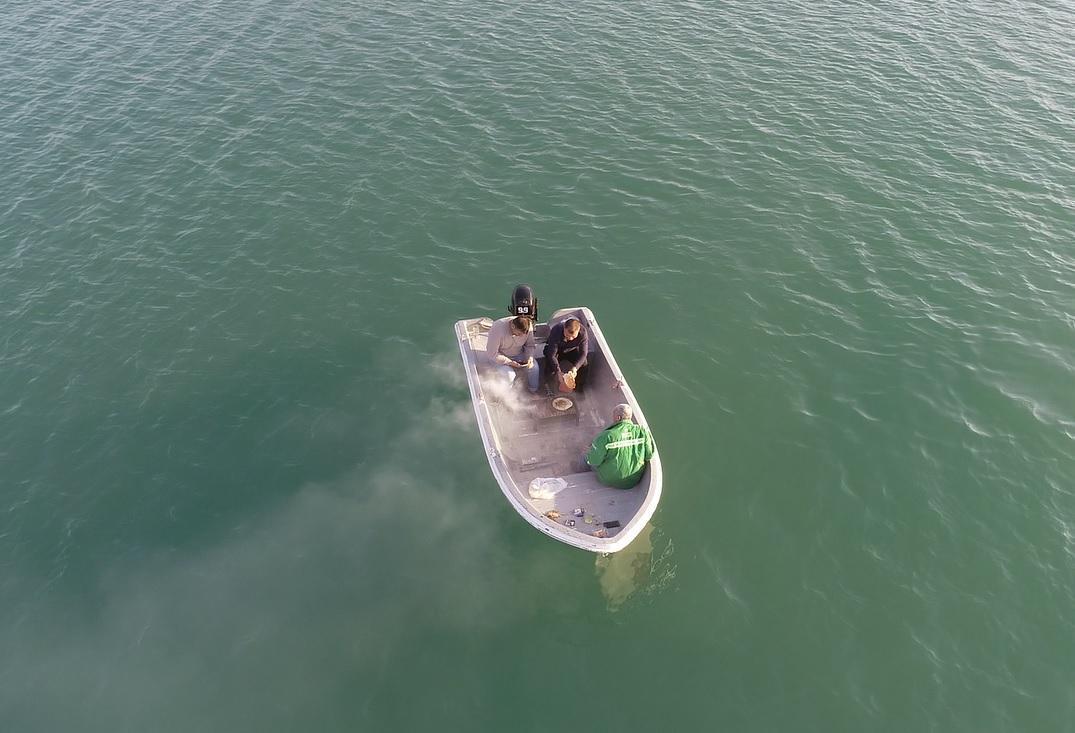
{"points": [[546, 488]]}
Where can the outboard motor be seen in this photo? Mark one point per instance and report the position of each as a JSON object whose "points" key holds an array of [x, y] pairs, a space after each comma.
{"points": [[524, 302]]}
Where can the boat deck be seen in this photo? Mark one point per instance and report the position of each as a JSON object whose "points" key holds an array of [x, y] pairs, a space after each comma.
{"points": [[539, 442], [534, 440]]}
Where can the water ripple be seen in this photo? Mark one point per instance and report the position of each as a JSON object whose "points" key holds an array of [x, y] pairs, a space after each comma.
{"points": [[833, 239]]}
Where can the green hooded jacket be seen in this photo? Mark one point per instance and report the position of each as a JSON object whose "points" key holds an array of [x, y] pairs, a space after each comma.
{"points": [[619, 454]]}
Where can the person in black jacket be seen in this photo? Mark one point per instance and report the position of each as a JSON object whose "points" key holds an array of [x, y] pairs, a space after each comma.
{"points": [[565, 356]]}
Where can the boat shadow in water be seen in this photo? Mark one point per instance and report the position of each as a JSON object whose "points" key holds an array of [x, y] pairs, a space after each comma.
{"points": [[639, 570]]}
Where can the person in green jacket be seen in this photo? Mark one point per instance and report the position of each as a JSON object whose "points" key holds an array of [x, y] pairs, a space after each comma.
{"points": [[620, 452]]}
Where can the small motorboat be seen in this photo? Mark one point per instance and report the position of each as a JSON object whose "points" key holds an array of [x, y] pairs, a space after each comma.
{"points": [[531, 441]]}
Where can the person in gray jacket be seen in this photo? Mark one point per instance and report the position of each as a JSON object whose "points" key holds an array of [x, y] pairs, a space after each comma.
{"points": [[511, 350]]}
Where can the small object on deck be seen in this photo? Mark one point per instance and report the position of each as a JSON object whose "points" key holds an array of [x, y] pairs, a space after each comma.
{"points": [[546, 488], [589, 520], [570, 523], [552, 514], [600, 533], [612, 524], [579, 511], [561, 404]]}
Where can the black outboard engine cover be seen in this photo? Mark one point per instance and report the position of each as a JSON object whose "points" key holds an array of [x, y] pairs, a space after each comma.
{"points": [[524, 302]]}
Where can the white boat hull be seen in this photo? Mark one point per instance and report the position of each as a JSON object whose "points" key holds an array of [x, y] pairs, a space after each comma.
{"points": [[525, 438]]}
